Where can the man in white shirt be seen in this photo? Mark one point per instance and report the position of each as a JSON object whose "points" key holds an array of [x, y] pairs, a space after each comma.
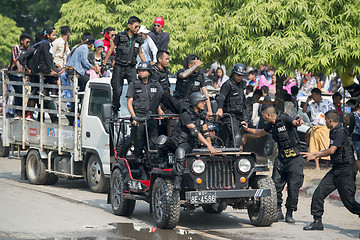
{"points": [[60, 48], [319, 137], [148, 48]]}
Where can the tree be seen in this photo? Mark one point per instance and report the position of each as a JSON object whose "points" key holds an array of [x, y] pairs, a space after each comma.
{"points": [[32, 15], [9, 36], [319, 36]]}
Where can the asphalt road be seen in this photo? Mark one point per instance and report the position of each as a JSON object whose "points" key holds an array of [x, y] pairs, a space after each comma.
{"points": [[68, 210]]}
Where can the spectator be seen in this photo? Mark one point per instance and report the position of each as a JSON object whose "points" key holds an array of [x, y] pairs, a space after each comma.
{"points": [[294, 92], [353, 120], [127, 44], [214, 66], [220, 77], [248, 91], [60, 48], [160, 38], [96, 58], [307, 83], [265, 93], [149, 48], [265, 72], [336, 97], [319, 137], [78, 60], [109, 36], [272, 86], [17, 51], [257, 81]]}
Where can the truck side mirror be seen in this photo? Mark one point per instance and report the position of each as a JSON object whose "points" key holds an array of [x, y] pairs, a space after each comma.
{"points": [[106, 111]]}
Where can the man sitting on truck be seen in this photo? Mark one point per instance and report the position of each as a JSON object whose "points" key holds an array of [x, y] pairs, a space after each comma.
{"points": [[191, 127]]}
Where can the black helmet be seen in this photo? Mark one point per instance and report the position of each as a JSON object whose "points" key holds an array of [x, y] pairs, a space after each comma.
{"points": [[144, 66], [240, 69], [195, 97]]}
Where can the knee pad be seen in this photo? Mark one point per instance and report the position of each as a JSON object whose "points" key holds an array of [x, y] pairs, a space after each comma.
{"points": [[161, 141], [180, 154]]}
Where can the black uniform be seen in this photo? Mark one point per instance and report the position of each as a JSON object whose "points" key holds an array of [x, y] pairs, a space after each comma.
{"points": [[232, 100], [288, 166], [125, 61], [162, 76], [184, 87], [146, 100], [341, 176], [182, 141]]}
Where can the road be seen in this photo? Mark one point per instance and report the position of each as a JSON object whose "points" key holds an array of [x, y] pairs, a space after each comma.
{"points": [[69, 210]]}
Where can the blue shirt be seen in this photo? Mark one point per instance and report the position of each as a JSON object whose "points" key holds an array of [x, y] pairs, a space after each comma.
{"points": [[79, 60]]}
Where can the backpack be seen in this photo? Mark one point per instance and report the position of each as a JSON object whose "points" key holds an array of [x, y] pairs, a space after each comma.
{"points": [[25, 58]]}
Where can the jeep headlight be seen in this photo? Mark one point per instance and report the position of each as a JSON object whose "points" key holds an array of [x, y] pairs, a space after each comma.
{"points": [[244, 165], [198, 166]]}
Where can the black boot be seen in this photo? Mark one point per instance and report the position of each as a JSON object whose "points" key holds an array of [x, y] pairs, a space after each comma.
{"points": [[279, 216], [315, 225], [288, 217]]}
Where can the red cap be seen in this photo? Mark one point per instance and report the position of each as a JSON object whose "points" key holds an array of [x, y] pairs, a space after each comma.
{"points": [[160, 21]]}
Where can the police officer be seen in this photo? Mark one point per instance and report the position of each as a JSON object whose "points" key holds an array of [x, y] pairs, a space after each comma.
{"points": [[191, 127], [160, 69], [288, 166], [128, 46], [341, 176], [191, 79], [144, 96], [232, 100]]}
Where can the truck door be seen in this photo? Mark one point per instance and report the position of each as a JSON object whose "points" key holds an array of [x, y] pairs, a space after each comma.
{"points": [[95, 134]]}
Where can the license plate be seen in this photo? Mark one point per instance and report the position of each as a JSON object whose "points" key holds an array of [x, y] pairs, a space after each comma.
{"points": [[202, 197]]}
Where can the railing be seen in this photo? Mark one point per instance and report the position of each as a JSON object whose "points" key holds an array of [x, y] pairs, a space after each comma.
{"points": [[59, 99]]}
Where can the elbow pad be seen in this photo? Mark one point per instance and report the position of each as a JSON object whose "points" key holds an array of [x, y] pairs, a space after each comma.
{"points": [[194, 132]]}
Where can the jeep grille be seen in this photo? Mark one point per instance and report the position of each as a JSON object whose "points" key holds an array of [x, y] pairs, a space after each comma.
{"points": [[220, 174]]}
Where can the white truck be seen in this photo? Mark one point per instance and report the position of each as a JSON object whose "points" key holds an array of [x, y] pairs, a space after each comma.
{"points": [[53, 150]]}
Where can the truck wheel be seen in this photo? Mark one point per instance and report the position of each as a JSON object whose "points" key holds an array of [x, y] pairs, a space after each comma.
{"points": [[4, 151], [52, 179], [165, 204], [120, 206], [262, 211], [95, 175], [35, 168], [210, 210]]}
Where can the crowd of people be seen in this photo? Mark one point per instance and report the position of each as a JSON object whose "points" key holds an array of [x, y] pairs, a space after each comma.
{"points": [[247, 95]]}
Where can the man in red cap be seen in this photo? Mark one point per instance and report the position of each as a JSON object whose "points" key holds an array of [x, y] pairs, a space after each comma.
{"points": [[161, 38]]}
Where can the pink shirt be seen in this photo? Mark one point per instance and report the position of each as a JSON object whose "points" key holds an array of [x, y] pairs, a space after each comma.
{"points": [[263, 81]]}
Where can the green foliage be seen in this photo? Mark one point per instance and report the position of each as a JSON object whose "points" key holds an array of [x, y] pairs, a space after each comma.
{"points": [[9, 36], [320, 36], [32, 15]]}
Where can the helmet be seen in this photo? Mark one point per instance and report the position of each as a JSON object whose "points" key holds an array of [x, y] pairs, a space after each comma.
{"points": [[144, 66], [240, 69], [195, 97]]}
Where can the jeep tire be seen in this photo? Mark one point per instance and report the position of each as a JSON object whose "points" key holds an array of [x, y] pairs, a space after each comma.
{"points": [[263, 210], [120, 206], [165, 204]]}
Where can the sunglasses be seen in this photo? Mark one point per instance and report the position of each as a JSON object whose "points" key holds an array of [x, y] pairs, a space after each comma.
{"points": [[27, 42], [112, 35], [137, 27], [157, 25]]}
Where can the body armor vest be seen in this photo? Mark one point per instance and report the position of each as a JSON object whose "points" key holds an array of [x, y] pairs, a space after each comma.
{"points": [[344, 154], [186, 86], [163, 77], [182, 133], [235, 100], [287, 139], [126, 54], [146, 98]]}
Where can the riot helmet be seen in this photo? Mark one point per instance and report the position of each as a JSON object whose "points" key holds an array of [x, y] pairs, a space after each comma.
{"points": [[240, 69], [144, 65], [196, 97]]}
